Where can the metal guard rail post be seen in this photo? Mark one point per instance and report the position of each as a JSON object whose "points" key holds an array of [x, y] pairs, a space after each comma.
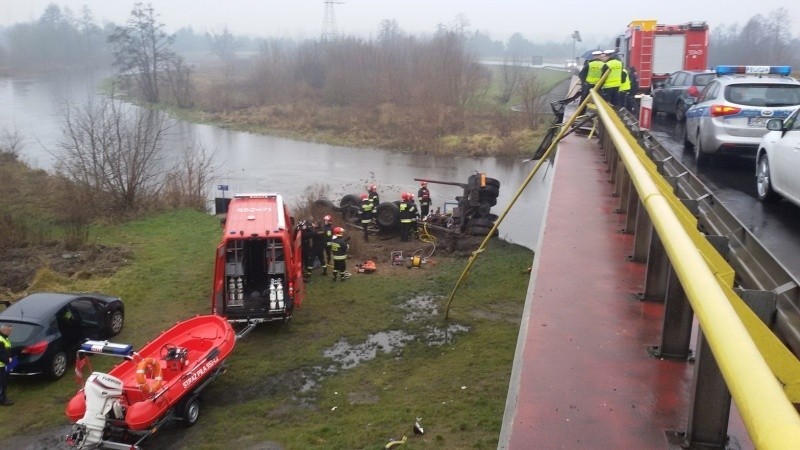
{"points": [[769, 416]]}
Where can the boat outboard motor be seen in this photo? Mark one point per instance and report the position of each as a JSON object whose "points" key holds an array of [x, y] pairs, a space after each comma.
{"points": [[102, 393]]}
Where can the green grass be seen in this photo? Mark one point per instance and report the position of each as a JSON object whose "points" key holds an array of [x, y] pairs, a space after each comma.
{"points": [[458, 389]]}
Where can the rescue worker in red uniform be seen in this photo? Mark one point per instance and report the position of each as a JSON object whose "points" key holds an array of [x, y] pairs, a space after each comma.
{"points": [[424, 196], [339, 247], [367, 213], [327, 228]]}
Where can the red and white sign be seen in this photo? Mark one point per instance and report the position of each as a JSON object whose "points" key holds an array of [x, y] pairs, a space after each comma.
{"points": [[645, 112]]}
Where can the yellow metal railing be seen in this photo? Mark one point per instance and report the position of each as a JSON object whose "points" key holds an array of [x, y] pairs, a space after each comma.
{"points": [[760, 372]]}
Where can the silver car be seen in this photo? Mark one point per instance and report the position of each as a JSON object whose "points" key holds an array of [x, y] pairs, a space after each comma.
{"points": [[778, 161], [731, 113]]}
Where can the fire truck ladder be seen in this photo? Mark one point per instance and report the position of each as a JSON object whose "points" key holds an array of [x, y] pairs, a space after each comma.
{"points": [[646, 56]]}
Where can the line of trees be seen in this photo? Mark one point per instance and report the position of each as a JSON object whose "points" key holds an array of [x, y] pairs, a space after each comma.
{"points": [[765, 40]]}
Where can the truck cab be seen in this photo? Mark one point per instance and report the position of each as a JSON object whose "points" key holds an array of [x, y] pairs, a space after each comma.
{"points": [[258, 271]]}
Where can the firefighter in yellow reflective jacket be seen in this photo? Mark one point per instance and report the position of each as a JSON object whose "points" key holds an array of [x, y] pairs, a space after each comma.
{"points": [[615, 78], [408, 211], [367, 213], [339, 249]]}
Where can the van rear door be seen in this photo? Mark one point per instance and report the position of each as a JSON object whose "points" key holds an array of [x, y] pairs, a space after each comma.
{"points": [[218, 288]]}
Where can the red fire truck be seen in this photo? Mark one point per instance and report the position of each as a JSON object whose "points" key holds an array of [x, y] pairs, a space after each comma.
{"points": [[258, 273], [657, 50]]}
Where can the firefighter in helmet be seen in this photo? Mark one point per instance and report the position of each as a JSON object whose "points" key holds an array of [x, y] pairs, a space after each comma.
{"points": [[408, 212], [367, 213], [372, 191], [339, 247], [424, 196], [327, 229]]}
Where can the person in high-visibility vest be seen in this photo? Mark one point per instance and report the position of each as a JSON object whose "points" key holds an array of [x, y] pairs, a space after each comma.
{"points": [[367, 213], [624, 89], [614, 79], [5, 358], [408, 211], [590, 73], [339, 248]]}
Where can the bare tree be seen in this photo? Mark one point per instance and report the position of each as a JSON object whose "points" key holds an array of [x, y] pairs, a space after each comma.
{"points": [[188, 184], [10, 143], [533, 96], [511, 73], [223, 45], [143, 51], [114, 151]]}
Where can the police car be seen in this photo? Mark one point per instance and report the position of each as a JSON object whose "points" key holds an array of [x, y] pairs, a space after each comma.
{"points": [[730, 116]]}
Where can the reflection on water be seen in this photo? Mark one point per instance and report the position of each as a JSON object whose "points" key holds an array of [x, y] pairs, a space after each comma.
{"points": [[251, 162]]}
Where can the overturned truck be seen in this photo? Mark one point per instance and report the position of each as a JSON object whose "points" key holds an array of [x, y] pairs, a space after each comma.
{"points": [[471, 212]]}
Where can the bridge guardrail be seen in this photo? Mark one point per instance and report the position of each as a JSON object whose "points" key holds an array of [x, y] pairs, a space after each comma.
{"points": [[702, 261]]}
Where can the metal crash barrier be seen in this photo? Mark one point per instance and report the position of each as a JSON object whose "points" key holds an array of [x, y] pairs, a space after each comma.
{"points": [[701, 262]]}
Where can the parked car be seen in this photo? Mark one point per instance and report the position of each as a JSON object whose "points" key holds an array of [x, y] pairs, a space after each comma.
{"points": [[680, 91], [778, 161], [49, 327], [731, 114]]}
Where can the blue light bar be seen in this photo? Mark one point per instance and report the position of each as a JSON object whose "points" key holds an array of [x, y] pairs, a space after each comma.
{"points": [[107, 347], [753, 70]]}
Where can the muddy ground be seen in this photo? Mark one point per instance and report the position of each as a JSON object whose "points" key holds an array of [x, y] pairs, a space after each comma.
{"points": [[18, 266]]}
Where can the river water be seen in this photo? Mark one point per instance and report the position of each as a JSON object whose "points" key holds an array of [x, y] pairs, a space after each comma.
{"points": [[250, 162]]}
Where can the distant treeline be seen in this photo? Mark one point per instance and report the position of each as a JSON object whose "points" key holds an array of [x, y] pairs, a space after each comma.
{"points": [[63, 38]]}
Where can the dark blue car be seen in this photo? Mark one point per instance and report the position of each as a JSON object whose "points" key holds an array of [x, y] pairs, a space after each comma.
{"points": [[49, 327]]}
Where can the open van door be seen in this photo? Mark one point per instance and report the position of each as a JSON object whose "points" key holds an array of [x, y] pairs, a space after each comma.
{"points": [[297, 270], [218, 288]]}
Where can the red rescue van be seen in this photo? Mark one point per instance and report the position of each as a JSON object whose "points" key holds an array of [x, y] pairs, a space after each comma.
{"points": [[258, 274]]}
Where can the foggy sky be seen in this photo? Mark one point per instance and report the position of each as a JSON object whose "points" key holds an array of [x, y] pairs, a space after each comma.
{"points": [[536, 20]]}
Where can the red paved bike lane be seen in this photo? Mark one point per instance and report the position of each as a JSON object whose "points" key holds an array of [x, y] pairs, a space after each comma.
{"points": [[583, 377]]}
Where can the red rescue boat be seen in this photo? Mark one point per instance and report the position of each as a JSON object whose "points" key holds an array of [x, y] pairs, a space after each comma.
{"points": [[159, 383]]}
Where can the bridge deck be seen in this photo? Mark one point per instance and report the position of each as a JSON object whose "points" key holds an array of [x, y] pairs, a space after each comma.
{"points": [[582, 376]]}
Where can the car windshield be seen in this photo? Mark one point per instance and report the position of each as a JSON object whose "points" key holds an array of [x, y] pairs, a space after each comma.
{"points": [[22, 331], [703, 79], [763, 94]]}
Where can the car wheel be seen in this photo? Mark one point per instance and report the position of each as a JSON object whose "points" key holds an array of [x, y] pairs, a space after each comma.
{"points": [[680, 111], [700, 157], [189, 410], [116, 323], [687, 144], [58, 365], [764, 181]]}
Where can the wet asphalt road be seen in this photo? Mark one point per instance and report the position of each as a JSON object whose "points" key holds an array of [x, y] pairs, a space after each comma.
{"points": [[733, 181]]}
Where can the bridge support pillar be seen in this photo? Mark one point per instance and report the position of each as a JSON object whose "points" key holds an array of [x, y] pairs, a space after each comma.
{"points": [[632, 208], [658, 268], [643, 231], [676, 333], [711, 400]]}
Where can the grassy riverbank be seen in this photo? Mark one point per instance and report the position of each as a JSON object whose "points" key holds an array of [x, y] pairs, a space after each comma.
{"points": [[281, 387], [486, 127]]}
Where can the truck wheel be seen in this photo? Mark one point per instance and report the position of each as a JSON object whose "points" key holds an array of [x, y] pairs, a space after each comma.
{"points": [[388, 215], [493, 182], [189, 410], [322, 206], [350, 205]]}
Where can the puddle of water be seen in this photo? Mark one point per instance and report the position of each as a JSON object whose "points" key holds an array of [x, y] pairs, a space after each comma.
{"points": [[438, 336], [348, 356], [421, 308]]}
